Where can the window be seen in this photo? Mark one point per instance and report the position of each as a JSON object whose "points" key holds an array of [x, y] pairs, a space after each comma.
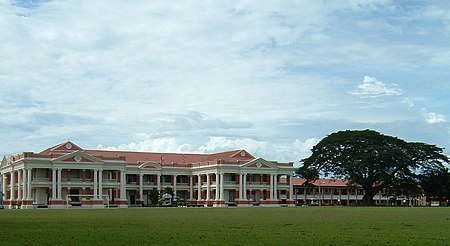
{"points": [[151, 178], [88, 174], [232, 177], [256, 178], [166, 178], [183, 179], [75, 174], [131, 178]]}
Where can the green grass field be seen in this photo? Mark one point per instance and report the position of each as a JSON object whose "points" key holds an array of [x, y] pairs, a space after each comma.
{"points": [[228, 226]]}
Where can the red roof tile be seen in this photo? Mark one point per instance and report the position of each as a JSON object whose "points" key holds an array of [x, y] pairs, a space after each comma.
{"points": [[168, 159], [322, 182]]}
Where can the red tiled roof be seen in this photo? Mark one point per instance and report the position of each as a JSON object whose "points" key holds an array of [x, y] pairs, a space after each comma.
{"points": [[141, 157], [168, 159], [322, 182], [134, 158]]}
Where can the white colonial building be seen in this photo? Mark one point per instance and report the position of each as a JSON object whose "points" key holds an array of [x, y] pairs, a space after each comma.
{"points": [[66, 175]]}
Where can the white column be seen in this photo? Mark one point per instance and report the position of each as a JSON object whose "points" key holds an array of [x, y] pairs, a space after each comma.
{"points": [[271, 186], [59, 183], [4, 184], [24, 184], [95, 184], [275, 185], [141, 187], [100, 184], [12, 188], [244, 189], [191, 187], [54, 183], [208, 187], [175, 185], [19, 184], [29, 184], [240, 186], [291, 188], [221, 187], [199, 188], [158, 182], [217, 186], [122, 184]]}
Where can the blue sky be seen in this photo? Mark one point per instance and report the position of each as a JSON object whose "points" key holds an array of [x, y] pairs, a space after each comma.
{"points": [[273, 77]]}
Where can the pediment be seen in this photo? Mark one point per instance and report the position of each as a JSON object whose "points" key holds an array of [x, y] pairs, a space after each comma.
{"points": [[4, 162], [78, 157], [66, 147], [259, 163], [150, 165], [242, 154]]}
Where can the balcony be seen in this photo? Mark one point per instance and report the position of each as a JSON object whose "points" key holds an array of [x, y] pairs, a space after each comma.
{"points": [[148, 183], [256, 183], [73, 180], [40, 180], [110, 181]]}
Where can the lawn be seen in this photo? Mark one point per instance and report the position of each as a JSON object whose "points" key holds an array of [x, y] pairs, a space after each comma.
{"points": [[228, 226]]}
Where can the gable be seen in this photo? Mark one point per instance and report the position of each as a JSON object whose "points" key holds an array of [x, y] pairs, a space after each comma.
{"points": [[78, 157], [64, 147], [150, 165], [242, 154], [259, 163], [4, 162]]}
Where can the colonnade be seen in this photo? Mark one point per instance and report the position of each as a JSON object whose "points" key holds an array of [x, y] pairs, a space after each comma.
{"points": [[20, 184], [215, 182], [23, 184]]}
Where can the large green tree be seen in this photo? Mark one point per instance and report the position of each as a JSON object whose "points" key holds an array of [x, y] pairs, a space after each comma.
{"points": [[436, 185], [372, 160]]}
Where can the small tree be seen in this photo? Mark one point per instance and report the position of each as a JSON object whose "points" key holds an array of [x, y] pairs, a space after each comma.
{"points": [[153, 196], [169, 191]]}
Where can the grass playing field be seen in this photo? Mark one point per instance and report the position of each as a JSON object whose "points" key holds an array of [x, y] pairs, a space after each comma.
{"points": [[228, 226]]}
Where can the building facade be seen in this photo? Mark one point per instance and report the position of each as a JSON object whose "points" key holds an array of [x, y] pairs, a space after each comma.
{"points": [[330, 192], [66, 175]]}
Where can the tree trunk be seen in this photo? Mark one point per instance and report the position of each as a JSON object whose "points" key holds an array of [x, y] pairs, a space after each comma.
{"points": [[369, 193]]}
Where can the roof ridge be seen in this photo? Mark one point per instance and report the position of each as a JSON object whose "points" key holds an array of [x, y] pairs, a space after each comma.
{"points": [[145, 152]]}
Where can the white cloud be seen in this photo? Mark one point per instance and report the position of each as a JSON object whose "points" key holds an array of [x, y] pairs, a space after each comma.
{"points": [[152, 145], [433, 118], [372, 87], [408, 101], [186, 71], [291, 152]]}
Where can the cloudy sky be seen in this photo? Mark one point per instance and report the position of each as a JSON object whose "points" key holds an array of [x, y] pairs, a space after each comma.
{"points": [[273, 77]]}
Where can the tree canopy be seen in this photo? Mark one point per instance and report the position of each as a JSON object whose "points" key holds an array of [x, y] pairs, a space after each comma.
{"points": [[373, 161]]}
